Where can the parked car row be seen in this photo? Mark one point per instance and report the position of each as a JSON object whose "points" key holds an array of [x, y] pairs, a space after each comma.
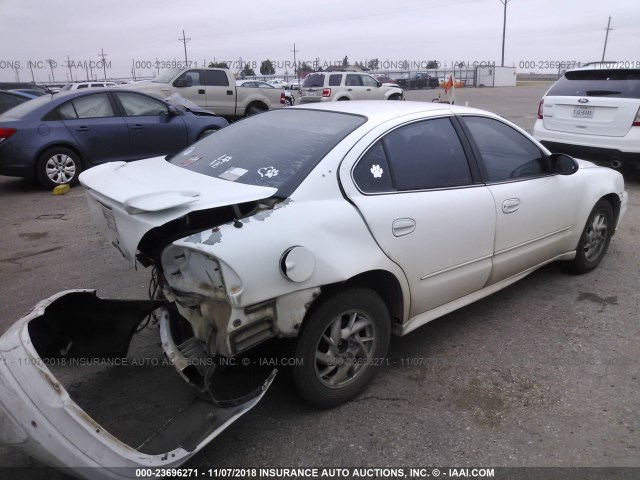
{"points": [[54, 138]]}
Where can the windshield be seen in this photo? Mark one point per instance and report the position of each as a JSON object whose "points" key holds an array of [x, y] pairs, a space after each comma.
{"points": [[598, 83], [167, 76], [273, 149]]}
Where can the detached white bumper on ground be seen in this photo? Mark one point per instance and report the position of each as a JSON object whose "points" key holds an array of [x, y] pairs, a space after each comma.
{"points": [[38, 416]]}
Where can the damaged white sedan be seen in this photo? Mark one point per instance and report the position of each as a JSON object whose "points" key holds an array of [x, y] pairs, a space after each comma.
{"points": [[337, 224]]}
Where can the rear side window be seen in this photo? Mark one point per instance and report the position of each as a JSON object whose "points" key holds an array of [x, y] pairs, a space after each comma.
{"points": [[215, 78], [598, 83], [313, 80], [91, 106], [506, 153], [372, 174], [335, 80], [427, 154]]}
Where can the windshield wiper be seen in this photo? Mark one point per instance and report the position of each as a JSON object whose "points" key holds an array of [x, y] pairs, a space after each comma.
{"points": [[598, 93]]}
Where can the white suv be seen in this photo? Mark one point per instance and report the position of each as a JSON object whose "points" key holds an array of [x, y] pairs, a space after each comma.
{"points": [[593, 113], [331, 86], [78, 85]]}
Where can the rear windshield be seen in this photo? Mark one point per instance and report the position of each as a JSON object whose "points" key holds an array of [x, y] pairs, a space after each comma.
{"points": [[273, 149], [598, 83], [314, 80], [26, 108]]}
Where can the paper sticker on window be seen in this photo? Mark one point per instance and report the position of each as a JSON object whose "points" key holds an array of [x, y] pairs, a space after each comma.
{"points": [[233, 174], [190, 161], [220, 160], [268, 172], [377, 171]]}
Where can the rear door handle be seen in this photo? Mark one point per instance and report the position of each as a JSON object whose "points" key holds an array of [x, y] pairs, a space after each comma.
{"points": [[403, 226], [137, 126], [510, 205], [229, 92], [82, 129]]}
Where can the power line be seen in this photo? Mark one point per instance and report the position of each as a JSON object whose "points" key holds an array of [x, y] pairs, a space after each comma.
{"points": [[184, 40]]}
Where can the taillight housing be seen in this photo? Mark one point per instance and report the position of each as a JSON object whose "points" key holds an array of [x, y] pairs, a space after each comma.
{"points": [[282, 98], [326, 92], [5, 133], [540, 107], [636, 122]]}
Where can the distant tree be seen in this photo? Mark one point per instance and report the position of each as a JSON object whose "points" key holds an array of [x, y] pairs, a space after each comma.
{"points": [[218, 65], [247, 71], [373, 64], [266, 67], [345, 61], [305, 67], [433, 64]]}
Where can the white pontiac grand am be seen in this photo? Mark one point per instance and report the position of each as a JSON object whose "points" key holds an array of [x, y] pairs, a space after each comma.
{"points": [[338, 224]]}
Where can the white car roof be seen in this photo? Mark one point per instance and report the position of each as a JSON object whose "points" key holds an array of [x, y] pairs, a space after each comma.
{"points": [[382, 110]]}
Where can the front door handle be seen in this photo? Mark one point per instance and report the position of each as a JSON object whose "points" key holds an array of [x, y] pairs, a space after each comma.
{"points": [[137, 126], [201, 91], [229, 92], [403, 226], [510, 205], [82, 129]]}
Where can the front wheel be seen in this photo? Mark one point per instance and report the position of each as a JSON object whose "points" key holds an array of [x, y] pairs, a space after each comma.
{"points": [[341, 347], [58, 166], [395, 96], [595, 238]]}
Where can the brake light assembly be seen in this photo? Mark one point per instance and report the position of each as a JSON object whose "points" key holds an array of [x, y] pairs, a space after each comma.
{"points": [[5, 133], [282, 98], [540, 109], [636, 121], [326, 92]]}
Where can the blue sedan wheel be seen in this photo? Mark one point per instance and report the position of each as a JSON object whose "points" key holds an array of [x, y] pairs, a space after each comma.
{"points": [[58, 166]]}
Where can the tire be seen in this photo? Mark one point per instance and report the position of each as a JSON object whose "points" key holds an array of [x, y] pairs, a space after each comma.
{"points": [[58, 166], [343, 99], [327, 375], [254, 110], [595, 238], [287, 102], [206, 133], [395, 96]]}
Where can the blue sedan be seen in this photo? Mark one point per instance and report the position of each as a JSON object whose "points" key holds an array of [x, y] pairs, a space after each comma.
{"points": [[54, 138]]}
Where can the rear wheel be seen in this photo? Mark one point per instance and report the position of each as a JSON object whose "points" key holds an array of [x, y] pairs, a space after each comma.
{"points": [[254, 109], [341, 347], [343, 99], [58, 166], [595, 238]]}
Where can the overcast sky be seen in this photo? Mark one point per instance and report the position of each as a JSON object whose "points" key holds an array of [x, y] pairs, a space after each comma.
{"points": [[140, 32]]}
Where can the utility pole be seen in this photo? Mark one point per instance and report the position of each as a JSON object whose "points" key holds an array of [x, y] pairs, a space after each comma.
{"points": [[295, 65], [606, 37], [184, 40], [104, 64], [33, 77], [504, 28], [52, 63], [17, 70], [69, 67]]}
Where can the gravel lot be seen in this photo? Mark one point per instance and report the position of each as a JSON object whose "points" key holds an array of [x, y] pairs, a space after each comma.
{"points": [[544, 373]]}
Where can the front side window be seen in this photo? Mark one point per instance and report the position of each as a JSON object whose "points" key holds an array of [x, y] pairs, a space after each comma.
{"points": [[505, 153], [353, 80], [134, 105], [191, 78], [368, 81]]}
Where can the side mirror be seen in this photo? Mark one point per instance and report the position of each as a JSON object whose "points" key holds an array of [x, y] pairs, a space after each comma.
{"points": [[379, 84], [173, 111], [180, 83], [563, 164]]}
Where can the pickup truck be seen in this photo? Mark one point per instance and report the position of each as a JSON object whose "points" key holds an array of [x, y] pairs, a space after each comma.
{"points": [[213, 89]]}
